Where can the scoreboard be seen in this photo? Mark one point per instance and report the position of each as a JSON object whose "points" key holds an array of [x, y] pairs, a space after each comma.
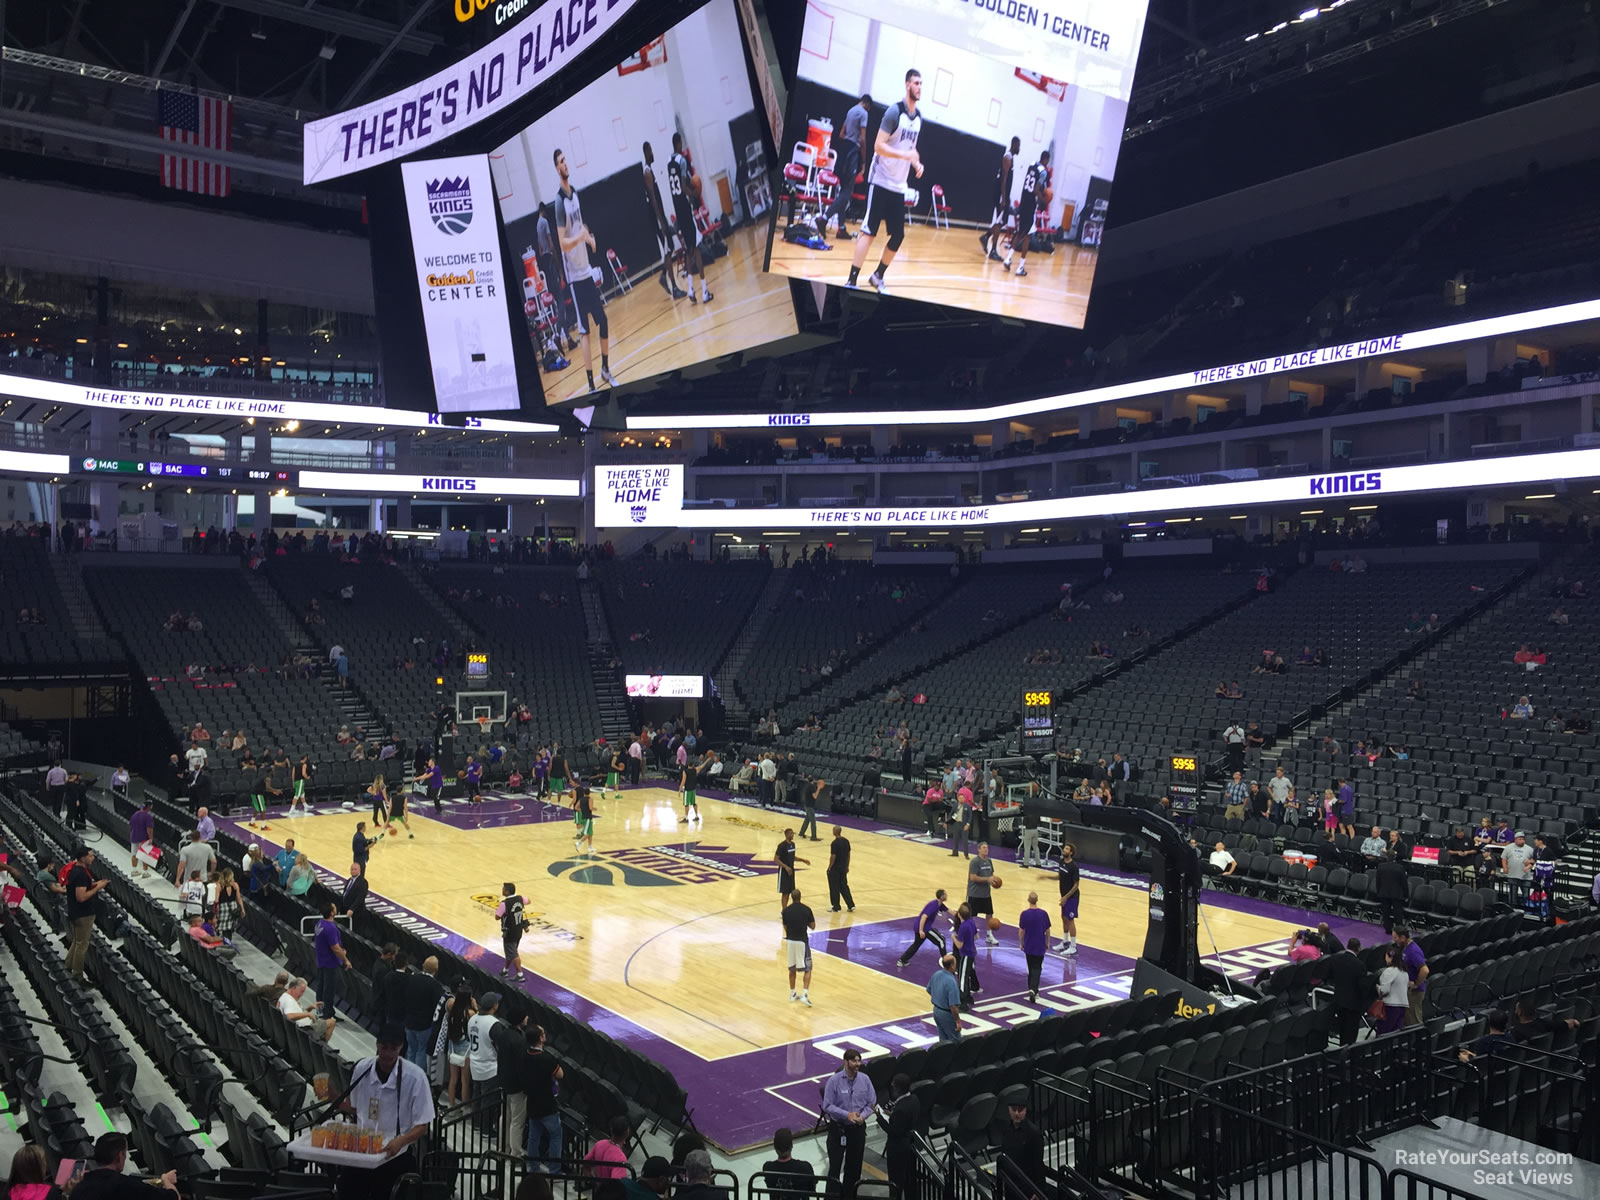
{"points": [[477, 665], [1038, 720]]}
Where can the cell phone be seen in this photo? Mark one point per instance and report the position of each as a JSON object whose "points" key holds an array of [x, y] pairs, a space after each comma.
{"points": [[70, 1171]]}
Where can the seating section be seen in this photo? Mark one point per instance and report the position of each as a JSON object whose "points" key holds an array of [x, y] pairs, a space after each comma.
{"points": [[676, 618], [385, 621], [828, 617], [984, 603], [530, 619], [974, 695], [1360, 619], [28, 590], [163, 1007], [1468, 757], [236, 657]]}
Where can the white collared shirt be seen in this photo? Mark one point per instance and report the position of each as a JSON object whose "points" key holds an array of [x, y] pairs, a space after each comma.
{"points": [[405, 1099]]}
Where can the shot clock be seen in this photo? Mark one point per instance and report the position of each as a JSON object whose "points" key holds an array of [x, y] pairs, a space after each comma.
{"points": [[1038, 720], [1188, 781]]}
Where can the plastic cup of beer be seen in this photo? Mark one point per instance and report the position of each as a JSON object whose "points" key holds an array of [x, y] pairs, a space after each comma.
{"points": [[319, 1085], [347, 1138], [319, 1137], [364, 1141]]}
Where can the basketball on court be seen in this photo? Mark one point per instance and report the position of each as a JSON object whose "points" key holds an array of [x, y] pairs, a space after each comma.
{"points": [[995, 923], [995, 882]]}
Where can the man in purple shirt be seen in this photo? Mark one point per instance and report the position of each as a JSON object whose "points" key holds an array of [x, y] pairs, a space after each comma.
{"points": [[1347, 808], [1416, 965], [1033, 933], [1503, 832], [206, 826], [331, 960], [927, 929], [141, 828], [967, 955], [847, 1102]]}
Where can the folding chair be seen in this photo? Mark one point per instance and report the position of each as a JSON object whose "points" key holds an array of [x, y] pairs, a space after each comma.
{"points": [[941, 210], [619, 270]]}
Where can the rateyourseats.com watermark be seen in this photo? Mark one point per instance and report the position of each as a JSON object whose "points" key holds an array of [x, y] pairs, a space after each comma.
{"points": [[1498, 1168]]}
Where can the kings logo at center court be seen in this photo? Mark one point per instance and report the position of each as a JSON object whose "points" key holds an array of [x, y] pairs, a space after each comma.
{"points": [[663, 866]]}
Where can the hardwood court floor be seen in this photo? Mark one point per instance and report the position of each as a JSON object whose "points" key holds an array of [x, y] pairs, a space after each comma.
{"points": [[946, 266], [678, 932], [652, 333]]}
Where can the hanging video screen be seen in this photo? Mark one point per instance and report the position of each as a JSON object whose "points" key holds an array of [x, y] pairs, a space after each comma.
{"points": [[639, 208], [954, 152]]}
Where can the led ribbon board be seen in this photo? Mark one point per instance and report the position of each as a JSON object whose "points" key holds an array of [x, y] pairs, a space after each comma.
{"points": [[657, 509], [386, 483], [54, 391], [1399, 343]]}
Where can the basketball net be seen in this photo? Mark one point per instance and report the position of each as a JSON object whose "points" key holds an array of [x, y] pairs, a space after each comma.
{"points": [[483, 724]]}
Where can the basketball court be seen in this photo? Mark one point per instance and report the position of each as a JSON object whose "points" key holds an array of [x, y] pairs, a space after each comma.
{"points": [[668, 936], [946, 266]]}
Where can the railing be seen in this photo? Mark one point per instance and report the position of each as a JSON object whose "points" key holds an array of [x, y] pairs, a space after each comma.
{"points": [[1246, 1157], [1354, 1093], [1403, 1185]]}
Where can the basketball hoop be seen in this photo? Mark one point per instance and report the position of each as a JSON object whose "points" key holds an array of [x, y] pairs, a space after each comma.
{"points": [[651, 54], [483, 725]]}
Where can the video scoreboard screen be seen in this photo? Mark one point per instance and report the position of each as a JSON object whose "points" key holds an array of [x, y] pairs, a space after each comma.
{"points": [[1038, 720], [477, 665]]}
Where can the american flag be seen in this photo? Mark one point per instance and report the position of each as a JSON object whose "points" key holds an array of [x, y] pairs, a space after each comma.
{"points": [[191, 120]]}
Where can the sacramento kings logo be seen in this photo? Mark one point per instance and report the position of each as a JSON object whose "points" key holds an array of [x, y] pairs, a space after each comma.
{"points": [[450, 204], [638, 512]]}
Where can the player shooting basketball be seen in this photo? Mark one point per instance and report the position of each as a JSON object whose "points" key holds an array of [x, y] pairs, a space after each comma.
{"points": [[684, 185], [576, 242], [894, 158]]}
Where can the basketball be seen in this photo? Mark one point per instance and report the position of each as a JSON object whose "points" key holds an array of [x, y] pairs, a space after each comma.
{"points": [[994, 924], [393, 832], [995, 882]]}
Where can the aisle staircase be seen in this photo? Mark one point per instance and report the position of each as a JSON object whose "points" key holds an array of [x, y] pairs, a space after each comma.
{"points": [[67, 570], [615, 721], [354, 709], [737, 712], [461, 633]]}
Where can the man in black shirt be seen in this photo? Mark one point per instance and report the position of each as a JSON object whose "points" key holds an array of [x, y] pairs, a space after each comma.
{"points": [[1497, 1036], [804, 1175], [1460, 853], [1393, 889], [798, 922], [105, 1180], [1529, 1024], [424, 996], [905, 1113], [839, 870], [383, 968], [511, 929], [786, 858], [541, 1080], [1067, 877], [1353, 990], [1018, 1138], [390, 996], [354, 899], [361, 846], [83, 906]]}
